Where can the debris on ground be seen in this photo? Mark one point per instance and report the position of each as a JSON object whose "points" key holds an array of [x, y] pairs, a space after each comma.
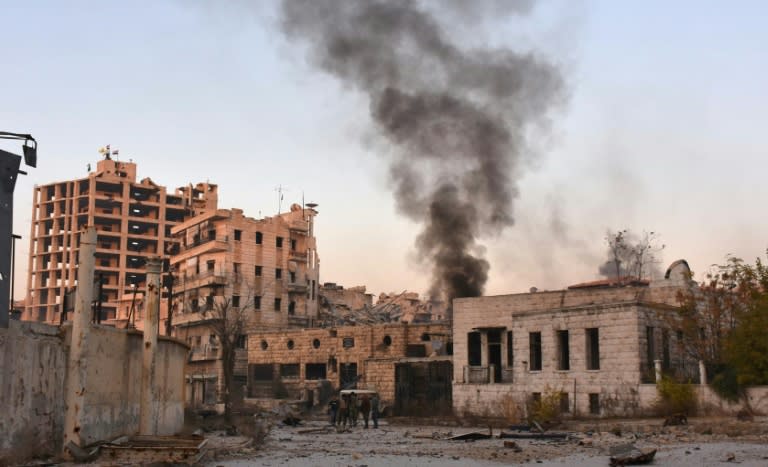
{"points": [[676, 420], [629, 454]]}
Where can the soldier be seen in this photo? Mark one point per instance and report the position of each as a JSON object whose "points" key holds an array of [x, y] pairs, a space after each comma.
{"points": [[365, 408], [375, 410], [341, 419], [353, 409], [333, 408]]}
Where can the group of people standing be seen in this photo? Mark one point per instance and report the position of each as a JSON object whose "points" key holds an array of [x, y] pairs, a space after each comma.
{"points": [[346, 410]]}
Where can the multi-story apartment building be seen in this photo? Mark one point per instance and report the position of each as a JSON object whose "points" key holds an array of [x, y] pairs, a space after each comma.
{"points": [[133, 219], [265, 269]]}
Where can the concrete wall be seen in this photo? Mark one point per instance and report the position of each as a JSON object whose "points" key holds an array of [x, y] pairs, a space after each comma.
{"points": [[115, 363], [31, 390], [33, 381], [709, 403]]}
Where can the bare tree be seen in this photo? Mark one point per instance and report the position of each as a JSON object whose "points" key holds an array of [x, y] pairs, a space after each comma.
{"points": [[631, 257], [228, 318]]}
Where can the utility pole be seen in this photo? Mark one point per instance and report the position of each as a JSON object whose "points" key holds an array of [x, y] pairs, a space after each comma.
{"points": [[9, 171]]}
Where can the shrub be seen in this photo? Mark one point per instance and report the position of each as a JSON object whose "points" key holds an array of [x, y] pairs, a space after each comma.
{"points": [[675, 397], [545, 409]]}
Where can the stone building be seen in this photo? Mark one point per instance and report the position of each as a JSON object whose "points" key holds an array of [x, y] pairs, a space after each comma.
{"points": [[134, 221], [265, 270], [410, 365], [595, 345]]}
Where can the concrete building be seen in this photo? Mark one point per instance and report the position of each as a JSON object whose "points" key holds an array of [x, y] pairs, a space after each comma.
{"points": [[410, 365], [596, 345], [266, 270], [134, 221]]}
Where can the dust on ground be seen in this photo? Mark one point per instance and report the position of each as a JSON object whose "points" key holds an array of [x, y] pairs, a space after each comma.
{"points": [[703, 442]]}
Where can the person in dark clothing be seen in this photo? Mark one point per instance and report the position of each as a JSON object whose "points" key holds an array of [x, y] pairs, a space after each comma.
{"points": [[353, 409], [375, 410], [365, 408], [333, 409], [341, 419]]}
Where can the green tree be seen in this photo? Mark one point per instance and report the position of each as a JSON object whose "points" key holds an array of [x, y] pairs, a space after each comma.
{"points": [[725, 324]]}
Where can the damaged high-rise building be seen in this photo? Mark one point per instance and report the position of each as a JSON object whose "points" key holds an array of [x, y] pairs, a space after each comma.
{"points": [[133, 221]]}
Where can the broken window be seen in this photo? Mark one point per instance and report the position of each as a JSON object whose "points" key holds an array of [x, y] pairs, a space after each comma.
{"points": [[278, 273], [315, 371], [563, 351], [510, 350], [416, 351], [261, 372], [594, 404], [236, 301], [474, 349], [289, 370], [259, 238], [277, 304], [257, 302], [236, 268], [242, 341], [209, 302], [649, 347], [293, 245], [348, 342], [279, 242], [238, 235], [291, 307], [534, 363], [257, 271], [593, 348], [292, 276], [210, 264]]}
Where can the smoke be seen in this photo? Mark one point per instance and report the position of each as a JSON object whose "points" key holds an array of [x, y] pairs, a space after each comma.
{"points": [[456, 117]]}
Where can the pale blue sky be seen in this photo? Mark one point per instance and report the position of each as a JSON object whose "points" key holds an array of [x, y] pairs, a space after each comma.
{"points": [[664, 129]]}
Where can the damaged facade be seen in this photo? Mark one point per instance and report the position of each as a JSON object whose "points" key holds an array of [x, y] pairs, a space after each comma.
{"points": [[595, 346], [267, 269], [410, 365], [134, 221]]}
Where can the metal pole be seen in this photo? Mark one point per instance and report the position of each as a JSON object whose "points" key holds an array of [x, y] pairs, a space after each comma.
{"points": [[169, 321], [149, 413], [78, 353], [13, 270]]}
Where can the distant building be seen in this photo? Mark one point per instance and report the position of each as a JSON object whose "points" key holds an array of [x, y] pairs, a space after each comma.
{"points": [[266, 268], [133, 219], [412, 309], [598, 345]]}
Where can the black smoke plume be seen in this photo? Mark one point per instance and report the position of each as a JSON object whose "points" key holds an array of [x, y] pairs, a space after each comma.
{"points": [[456, 117]]}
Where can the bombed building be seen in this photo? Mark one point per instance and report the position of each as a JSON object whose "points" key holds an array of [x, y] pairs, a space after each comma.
{"points": [[409, 364], [595, 344], [133, 220]]}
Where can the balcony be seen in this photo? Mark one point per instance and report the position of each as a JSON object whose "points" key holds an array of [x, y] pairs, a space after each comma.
{"points": [[296, 255], [205, 278], [299, 226], [477, 374], [206, 352], [295, 287], [486, 375]]}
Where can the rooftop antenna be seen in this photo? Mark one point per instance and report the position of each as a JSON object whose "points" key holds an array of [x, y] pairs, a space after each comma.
{"points": [[280, 189], [108, 152]]}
